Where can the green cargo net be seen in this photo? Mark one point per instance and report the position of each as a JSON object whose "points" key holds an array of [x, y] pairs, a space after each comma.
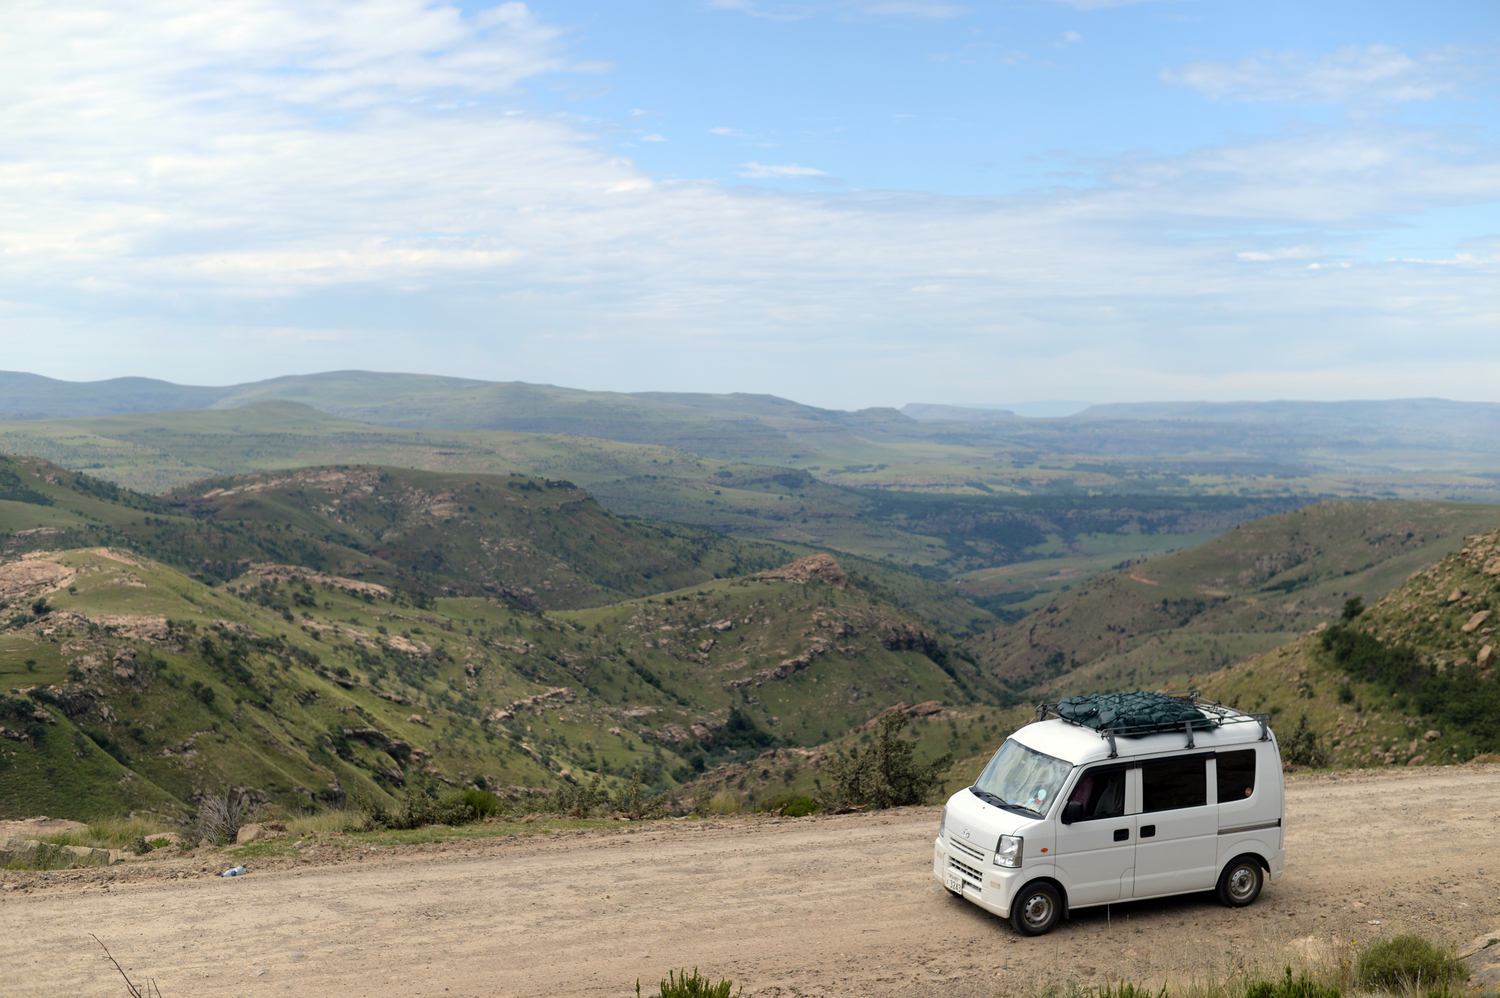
{"points": [[1133, 713]]}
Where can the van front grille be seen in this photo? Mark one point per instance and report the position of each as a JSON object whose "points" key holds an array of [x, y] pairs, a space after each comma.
{"points": [[965, 847], [969, 873]]}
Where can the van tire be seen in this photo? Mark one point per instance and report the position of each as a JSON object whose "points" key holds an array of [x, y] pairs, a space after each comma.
{"points": [[1035, 908], [1240, 883]]}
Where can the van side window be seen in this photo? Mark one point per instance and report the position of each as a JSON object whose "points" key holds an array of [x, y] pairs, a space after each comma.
{"points": [[1102, 792], [1172, 783], [1236, 775]]}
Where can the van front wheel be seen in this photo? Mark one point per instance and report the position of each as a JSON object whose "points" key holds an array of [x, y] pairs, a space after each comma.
{"points": [[1240, 882], [1036, 908]]}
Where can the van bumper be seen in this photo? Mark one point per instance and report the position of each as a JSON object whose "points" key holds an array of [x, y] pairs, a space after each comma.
{"points": [[993, 892], [1278, 862]]}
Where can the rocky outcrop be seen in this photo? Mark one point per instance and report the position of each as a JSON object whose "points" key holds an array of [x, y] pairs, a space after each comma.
{"points": [[904, 637], [556, 694], [46, 856], [928, 708], [813, 568], [787, 668], [377, 739]]}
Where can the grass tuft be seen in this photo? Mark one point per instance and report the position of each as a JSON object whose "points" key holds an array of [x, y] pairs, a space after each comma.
{"points": [[685, 985], [1408, 962]]}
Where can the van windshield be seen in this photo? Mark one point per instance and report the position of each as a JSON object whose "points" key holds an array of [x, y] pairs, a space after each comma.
{"points": [[1022, 778]]}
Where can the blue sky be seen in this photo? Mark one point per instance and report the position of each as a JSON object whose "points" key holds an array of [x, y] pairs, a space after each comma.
{"points": [[848, 202]]}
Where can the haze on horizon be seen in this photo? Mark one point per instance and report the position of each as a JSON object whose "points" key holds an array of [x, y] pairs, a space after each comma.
{"points": [[844, 202]]}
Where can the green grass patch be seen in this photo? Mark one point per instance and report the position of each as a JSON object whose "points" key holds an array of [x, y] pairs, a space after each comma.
{"points": [[1406, 963]]}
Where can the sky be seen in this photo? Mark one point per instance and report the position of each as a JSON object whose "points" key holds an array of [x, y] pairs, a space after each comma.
{"points": [[847, 202]]}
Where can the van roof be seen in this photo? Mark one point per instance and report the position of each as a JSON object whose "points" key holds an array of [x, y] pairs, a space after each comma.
{"points": [[1077, 744]]}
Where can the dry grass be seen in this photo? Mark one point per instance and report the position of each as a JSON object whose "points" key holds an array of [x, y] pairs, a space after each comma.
{"points": [[723, 803], [329, 822], [111, 833], [1245, 974]]}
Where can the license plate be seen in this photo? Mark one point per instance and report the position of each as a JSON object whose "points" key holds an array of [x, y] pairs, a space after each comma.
{"points": [[955, 883]]}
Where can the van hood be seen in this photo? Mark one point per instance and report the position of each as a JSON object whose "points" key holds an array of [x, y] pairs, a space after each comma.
{"points": [[983, 821]]}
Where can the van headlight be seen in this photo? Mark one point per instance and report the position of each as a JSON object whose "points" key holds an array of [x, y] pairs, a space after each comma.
{"points": [[1008, 851], [943, 821]]}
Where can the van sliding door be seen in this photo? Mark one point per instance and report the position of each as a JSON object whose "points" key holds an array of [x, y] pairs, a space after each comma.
{"points": [[1178, 830]]}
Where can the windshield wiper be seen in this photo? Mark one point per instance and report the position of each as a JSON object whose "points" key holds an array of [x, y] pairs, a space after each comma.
{"points": [[990, 798]]}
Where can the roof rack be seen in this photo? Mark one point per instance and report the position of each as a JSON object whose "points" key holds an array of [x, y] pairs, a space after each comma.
{"points": [[1214, 714]]}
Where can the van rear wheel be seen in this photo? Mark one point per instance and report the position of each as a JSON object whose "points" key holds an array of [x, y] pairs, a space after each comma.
{"points": [[1240, 882], [1036, 908]]}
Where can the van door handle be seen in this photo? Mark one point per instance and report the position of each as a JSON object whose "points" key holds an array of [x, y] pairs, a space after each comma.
{"points": [[1121, 834], [1147, 831]]}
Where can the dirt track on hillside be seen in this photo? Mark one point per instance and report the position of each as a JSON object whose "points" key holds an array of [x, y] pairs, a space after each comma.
{"points": [[834, 906]]}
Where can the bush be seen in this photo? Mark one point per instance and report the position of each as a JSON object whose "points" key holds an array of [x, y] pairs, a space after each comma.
{"points": [[721, 803], [1126, 990], [641, 806], [1303, 747], [483, 803], [685, 986], [1407, 962], [1302, 987], [792, 805], [886, 775], [413, 810], [579, 801], [221, 815]]}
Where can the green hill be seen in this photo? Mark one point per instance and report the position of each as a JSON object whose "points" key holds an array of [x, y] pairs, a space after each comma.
{"points": [[1256, 587], [133, 686], [1409, 681], [943, 535]]}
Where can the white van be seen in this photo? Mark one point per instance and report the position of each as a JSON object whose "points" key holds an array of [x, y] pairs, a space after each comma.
{"points": [[1116, 797]]}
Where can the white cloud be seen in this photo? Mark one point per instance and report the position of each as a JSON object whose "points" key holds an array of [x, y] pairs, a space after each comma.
{"points": [[1282, 253], [787, 171], [1069, 37], [653, 138], [733, 133], [774, 12], [172, 169], [922, 9], [1352, 74], [1101, 4], [925, 9]]}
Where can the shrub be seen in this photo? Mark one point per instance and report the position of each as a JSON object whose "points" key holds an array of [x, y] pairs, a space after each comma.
{"points": [[683, 985], [721, 803], [1406, 962], [642, 806], [1303, 747], [221, 815], [793, 805], [1127, 990], [1302, 987], [413, 810], [483, 803], [579, 801], [886, 775]]}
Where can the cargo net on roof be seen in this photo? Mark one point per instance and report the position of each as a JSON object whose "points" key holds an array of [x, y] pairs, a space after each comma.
{"points": [[1128, 713]]}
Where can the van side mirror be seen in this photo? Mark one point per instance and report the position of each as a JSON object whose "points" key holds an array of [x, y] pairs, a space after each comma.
{"points": [[1072, 811]]}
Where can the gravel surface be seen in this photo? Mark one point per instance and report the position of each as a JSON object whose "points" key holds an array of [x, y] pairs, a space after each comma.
{"points": [[814, 906]]}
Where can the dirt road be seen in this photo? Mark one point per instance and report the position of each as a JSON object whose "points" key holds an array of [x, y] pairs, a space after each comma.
{"points": [[833, 906]]}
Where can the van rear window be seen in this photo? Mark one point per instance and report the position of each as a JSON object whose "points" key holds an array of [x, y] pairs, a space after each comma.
{"points": [[1167, 784], [1236, 775]]}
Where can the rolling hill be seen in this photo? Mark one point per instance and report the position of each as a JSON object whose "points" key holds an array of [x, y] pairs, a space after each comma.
{"points": [[943, 535], [1248, 591], [134, 686]]}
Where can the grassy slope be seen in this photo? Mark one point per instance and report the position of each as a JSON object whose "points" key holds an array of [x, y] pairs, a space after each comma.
{"points": [[1246, 592], [638, 678], [1444, 709]]}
